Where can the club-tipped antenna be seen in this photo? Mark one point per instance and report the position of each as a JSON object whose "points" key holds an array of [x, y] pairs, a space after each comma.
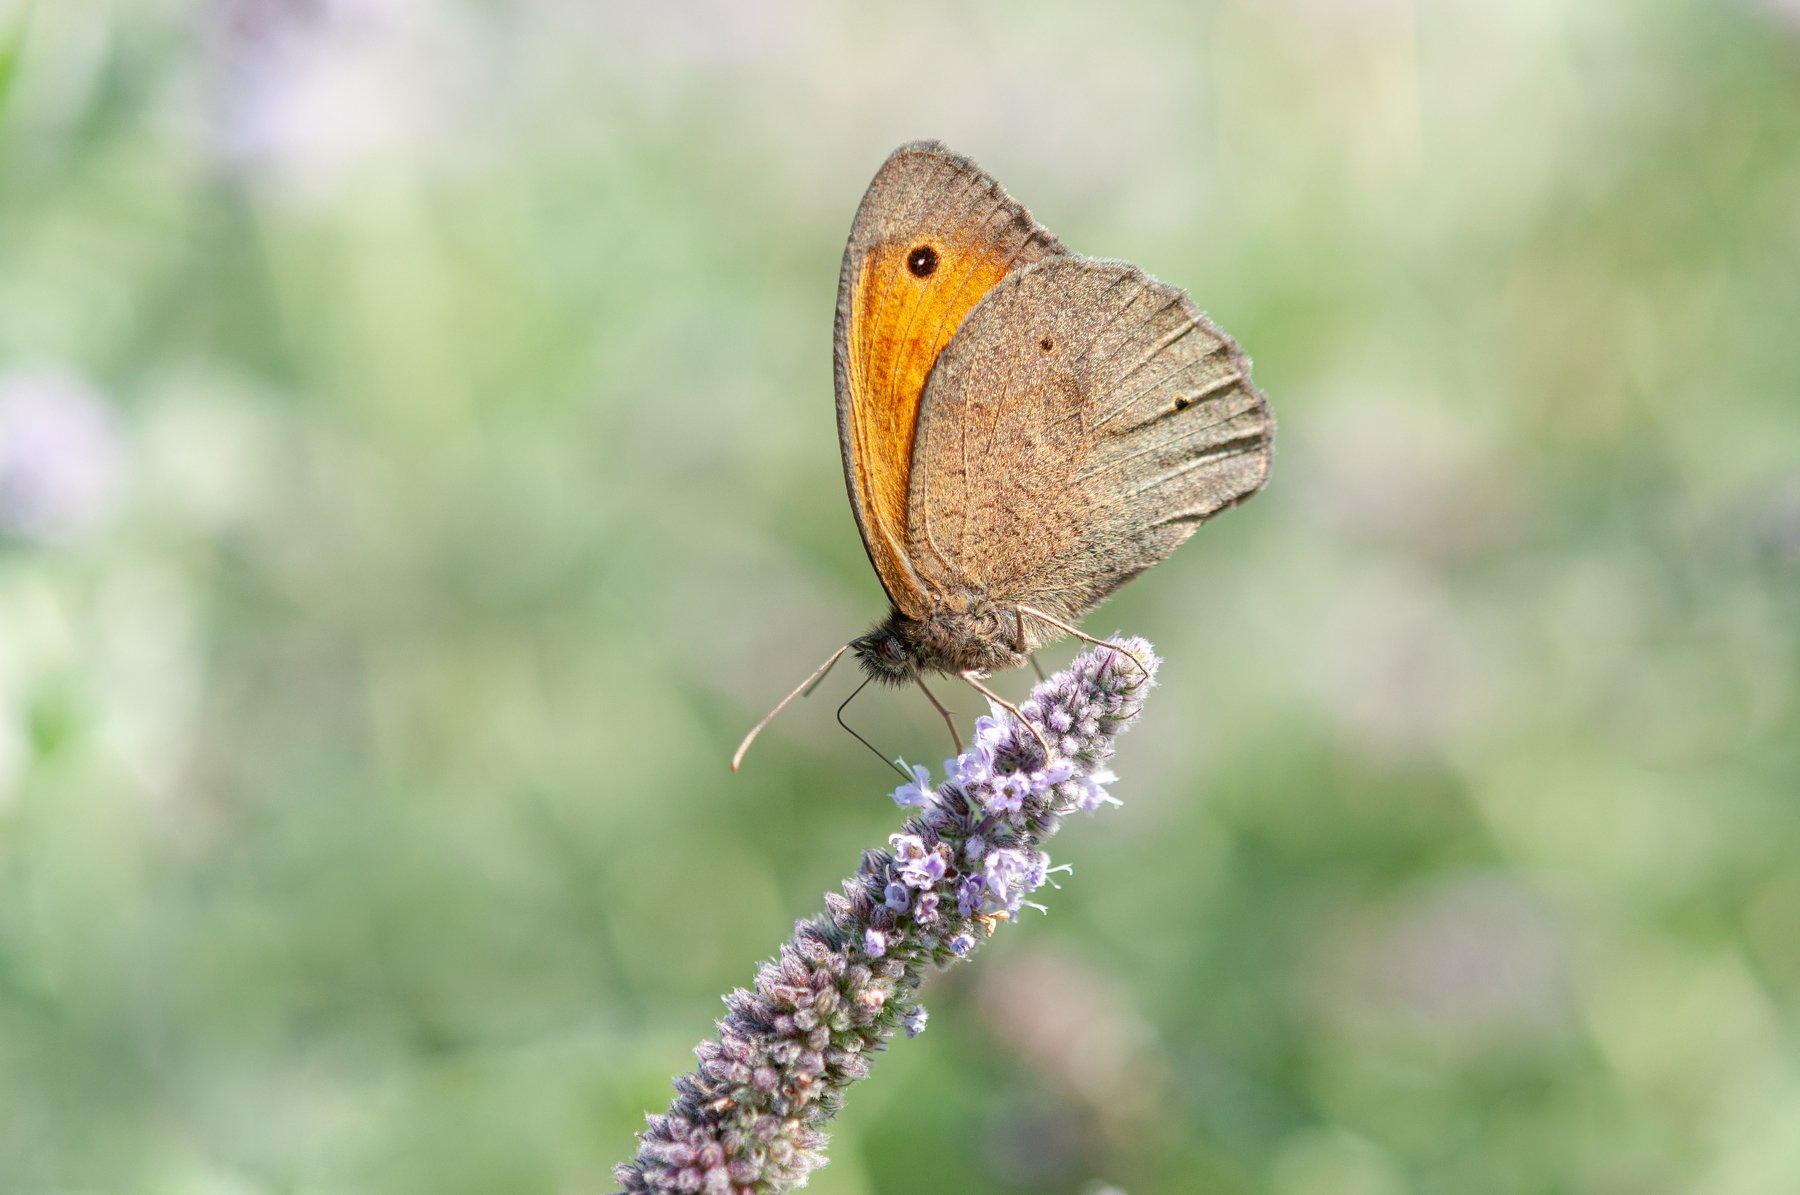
{"points": [[804, 687]]}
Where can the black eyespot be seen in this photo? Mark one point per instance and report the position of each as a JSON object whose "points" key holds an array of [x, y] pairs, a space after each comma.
{"points": [[922, 261], [1048, 344], [1183, 402]]}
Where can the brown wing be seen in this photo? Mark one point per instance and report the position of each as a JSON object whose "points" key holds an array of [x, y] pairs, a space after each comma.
{"points": [[933, 235], [1083, 422]]}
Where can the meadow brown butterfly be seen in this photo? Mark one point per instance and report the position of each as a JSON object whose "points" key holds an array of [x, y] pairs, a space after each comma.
{"points": [[1024, 429]]}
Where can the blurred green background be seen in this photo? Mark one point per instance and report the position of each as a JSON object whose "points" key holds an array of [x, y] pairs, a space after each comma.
{"points": [[418, 467]]}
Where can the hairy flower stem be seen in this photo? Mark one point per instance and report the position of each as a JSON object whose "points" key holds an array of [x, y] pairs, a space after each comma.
{"points": [[748, 1120]]}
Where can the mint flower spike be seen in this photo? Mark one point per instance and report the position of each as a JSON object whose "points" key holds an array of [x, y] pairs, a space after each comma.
{"points": [[748, 1120]]}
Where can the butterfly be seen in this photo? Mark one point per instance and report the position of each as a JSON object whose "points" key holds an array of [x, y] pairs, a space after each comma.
{"points": [[1024, 429]]}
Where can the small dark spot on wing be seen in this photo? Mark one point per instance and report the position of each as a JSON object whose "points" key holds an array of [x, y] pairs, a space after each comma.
{"points": [[922, 261]]}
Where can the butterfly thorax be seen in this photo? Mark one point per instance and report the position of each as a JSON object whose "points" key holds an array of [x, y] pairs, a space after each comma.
{"points": [[981, 638]]}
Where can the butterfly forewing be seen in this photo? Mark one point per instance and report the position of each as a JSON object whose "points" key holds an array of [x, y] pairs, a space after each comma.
{"points": [[1084, 420], [934, 235]]}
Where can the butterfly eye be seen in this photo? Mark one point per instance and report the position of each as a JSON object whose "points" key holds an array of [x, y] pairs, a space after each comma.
{"points": [[922, 261]]}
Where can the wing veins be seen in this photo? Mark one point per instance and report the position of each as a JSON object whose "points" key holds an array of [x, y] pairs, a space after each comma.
{"points": [[1093, 340], [1145, 286], [1205, 392], [1225, 450], [1116, 462]]}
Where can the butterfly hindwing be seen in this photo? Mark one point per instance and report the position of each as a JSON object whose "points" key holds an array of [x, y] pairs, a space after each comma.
{"points": [[1084, 420]]}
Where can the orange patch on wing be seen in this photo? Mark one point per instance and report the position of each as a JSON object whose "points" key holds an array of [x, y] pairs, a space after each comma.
{"points": [[899, 324]]}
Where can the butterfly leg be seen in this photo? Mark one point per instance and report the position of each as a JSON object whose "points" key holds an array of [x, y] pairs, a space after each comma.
{"points": [[974, 682], [1060, 625], [865, 742], [949, 720]]}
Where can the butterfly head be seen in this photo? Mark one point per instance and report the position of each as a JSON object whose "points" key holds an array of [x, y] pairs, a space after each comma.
{"points": [[952, 639], [889, 653]]}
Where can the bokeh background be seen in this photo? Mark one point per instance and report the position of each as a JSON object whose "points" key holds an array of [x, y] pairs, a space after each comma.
{"points": [[418, 467]]}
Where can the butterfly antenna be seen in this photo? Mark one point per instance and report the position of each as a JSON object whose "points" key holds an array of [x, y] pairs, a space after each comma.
{"points": [[865, 742], [805, 686]]}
